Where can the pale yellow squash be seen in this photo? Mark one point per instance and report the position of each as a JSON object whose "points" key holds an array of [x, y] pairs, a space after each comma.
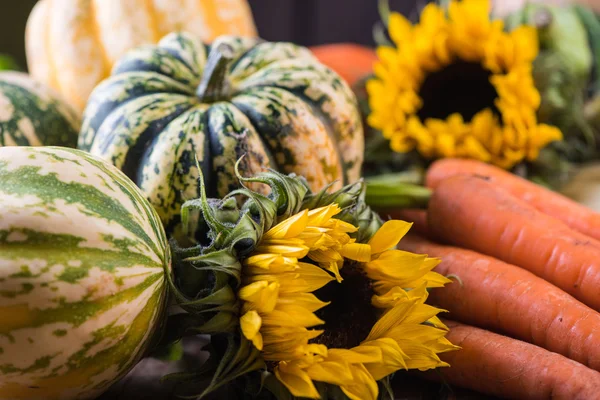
{"points": [[73, 44]]}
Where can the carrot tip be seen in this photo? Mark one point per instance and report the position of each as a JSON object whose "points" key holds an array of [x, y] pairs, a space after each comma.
{"points": [[457, 278]]}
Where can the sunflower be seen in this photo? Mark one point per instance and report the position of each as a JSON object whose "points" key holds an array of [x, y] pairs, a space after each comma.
{"points": [[322, 295], [458, 85]]}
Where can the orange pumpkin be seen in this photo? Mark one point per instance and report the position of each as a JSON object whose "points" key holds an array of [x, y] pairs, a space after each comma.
{"points": [[73, 44], [351, 61]]}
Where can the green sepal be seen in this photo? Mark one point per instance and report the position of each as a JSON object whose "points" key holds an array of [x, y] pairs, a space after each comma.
{"points": [[240, 358], [218, 261], [179, 326], [245, 236], [287, 191], [223, 322], [355, 210]]}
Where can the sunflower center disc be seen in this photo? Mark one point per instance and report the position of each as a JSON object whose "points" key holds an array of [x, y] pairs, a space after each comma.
{"points": [[350, 316], [462, 87]]}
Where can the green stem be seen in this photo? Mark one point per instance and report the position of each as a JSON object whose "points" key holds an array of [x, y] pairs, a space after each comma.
{"points": [[397, 191], [383, 6], [215, 85], [592, 26]]}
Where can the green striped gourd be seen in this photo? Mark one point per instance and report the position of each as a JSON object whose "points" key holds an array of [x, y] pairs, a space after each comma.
{"points": [[166, 106], [32, 114], [83, 257]]}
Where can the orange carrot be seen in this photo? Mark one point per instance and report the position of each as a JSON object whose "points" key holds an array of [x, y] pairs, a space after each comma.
{"points": [[351, 61], [508, 299], [575, 215], [505, 367], [417, 217], [472, 213]]}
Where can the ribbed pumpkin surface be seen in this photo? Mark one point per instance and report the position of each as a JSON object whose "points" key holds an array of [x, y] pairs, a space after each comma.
{"points": [[82, 274], [72, 45], [278, 106]]}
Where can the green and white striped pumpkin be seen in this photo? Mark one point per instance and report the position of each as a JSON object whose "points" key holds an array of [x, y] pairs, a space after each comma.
{"points": [[167, 105], [83, 257], [32, 114]]}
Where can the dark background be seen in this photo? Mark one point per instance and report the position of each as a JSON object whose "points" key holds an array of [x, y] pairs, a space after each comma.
{"points": [[306, 22]]}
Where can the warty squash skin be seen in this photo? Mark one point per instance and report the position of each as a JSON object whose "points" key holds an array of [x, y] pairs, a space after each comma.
{"points": [[73, 44], [167, 106], [83, 263]]}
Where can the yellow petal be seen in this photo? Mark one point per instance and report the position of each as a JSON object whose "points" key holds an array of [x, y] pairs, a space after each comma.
{"points": [[291, 315], [425, 312], [250, 324], [314, 277], [278, 266], [292, 250], [393, 358], [336, 373], [420, 333], [388, 235], [392, 318], [296, 380], [389, 298], [364, 387], [337, 225], [319, 216], [289, 228], [306, 278], [357, 251], [325, 256], [399, 27], [334, 269], [420, 356], [357, 355], [307, 300], [257, 341], [263, 261], [261, 295]]}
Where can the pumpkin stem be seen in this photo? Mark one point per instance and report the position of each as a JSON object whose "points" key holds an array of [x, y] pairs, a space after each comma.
{"points": [[215, 86]]}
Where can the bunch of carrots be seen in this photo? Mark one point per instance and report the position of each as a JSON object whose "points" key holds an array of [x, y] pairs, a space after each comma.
{"points": [[525, 307]]}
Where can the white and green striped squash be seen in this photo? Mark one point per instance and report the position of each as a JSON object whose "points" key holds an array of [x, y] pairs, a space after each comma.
{"points": [[166, 106], [83, 263], [32, 114]]}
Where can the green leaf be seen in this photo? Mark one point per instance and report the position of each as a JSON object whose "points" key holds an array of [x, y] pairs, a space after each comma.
{"points": [[8, 63], [170, 352]]}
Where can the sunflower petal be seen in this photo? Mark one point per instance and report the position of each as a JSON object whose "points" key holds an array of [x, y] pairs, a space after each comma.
{"points": [[420, 356], [288, 228], [250, 324], [336, 373], [319, 216], [291, 315], [296, 380], [261, 296], [388, 235], [357, 355], [357, 252], [392, 318], [286, 250], [393, 358], [307, 300], [364, 387]]}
